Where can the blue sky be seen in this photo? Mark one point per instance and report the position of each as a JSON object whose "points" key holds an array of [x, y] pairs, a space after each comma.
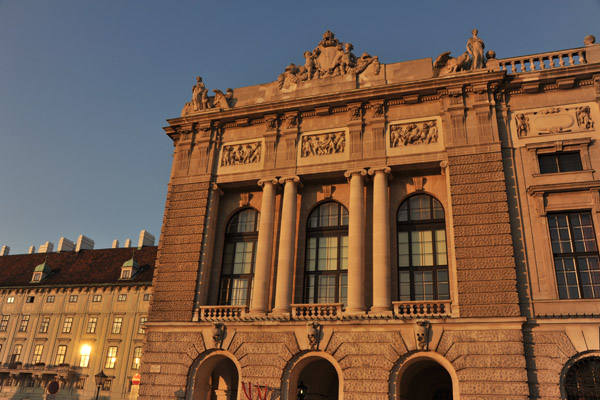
{"points": [[86, 86]]}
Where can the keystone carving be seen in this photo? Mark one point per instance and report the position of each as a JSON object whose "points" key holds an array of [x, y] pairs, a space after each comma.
{"points": [[323, 144], [422, 330], [240, 154], [218, 333], [413, 133], [313, 333]]}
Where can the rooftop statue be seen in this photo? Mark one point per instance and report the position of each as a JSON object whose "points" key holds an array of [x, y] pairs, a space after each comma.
{"points": [[201, 102], [471, 60], [330, 58], [475, 48]]}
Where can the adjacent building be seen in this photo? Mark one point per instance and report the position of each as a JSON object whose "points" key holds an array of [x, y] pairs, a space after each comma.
{"points": [[65, 316]]}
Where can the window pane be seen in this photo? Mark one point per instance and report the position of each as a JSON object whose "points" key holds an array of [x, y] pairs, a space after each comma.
{"points": [[344, 252], [404, 285], [326, 289], [344, 288], [440, 247], [422, 248], [239, 291]]}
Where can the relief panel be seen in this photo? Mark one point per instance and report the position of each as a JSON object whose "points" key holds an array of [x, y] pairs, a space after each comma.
{"points": [[241, 156], [323, 147], [414, 136]]}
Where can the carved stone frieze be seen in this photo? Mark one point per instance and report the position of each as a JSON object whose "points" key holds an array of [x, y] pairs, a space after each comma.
{"points": [[413, 133], [554, 120], [240, 154], [330, 58], [323, 144]]}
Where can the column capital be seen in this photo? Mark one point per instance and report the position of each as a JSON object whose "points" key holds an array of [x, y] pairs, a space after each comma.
{"points": [[262, 182], [385, 170], [294, 178], [350, 173]]}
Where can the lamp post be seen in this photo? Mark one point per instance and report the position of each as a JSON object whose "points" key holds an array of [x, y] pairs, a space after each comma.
{"points": [[302, 390], [100, 379]]}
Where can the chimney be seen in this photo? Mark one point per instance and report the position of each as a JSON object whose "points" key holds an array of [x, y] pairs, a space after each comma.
{"points": [[115, 244], [46, 247], [31, 249], [84, 243], [127, 243], [65, 244], [5, 250], [146, 239]]}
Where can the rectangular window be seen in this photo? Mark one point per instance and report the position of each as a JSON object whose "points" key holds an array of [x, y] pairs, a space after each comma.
{"points": [[560, 162], [126, 274], [16, 354], [85, 356], [61, 353], [37, 353], [91, 326], [97, 298], [111, 357], [117, 323], [24, 323], [67, 325], [146, 296], [80, 383], [4, 323], [137, 357], [30, 299], [44, 324], [73, 298], [10, 299], [141, 329], [107, 384], [122, 297], [50, 299], [575, 252]]}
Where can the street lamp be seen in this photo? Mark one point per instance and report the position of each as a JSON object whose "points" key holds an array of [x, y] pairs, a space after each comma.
{"points": [[100, 379], [302, 390]]}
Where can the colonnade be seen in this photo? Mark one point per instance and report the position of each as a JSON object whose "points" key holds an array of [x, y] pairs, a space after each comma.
{"points": [[356, 239]]}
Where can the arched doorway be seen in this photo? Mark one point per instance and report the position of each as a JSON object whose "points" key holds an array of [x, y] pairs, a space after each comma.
{"points": [[425, 379], [313, 378], [216, 378]]}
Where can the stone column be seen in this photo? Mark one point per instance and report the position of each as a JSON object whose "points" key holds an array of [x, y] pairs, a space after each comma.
{"points": [[382, 295], [356, 242], [264, 248], [287, 245]]}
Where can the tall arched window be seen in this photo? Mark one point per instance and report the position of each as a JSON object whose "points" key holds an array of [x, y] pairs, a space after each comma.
{"points": [[326, 272], [239, 256], [582, 381], [422, 256]]}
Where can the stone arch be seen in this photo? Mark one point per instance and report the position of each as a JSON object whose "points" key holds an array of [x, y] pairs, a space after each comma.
{"points": [[575, 361], [322, 366], [415, 368], [215, 372]]}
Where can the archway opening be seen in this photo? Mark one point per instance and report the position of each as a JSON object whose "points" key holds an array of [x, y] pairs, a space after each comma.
{"points": [[425, 380], [318, 378], [216, 379]]}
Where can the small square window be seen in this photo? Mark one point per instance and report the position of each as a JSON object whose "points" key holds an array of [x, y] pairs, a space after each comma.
{"points": [[97, 298], [10, 299], [147, 296], [560, 162], [50, 299], [126, 274], [106, 385], [73, 298], [122, 297], [30, 299], [37, 276]]}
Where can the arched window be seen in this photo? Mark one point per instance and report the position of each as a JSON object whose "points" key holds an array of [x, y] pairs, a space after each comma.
{"points": [[239, 256], [582, 381], [326, 272], [422, 256]]}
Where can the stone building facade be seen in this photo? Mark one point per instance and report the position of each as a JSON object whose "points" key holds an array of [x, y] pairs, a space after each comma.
{"points": [[359, 230], [69, 314]]}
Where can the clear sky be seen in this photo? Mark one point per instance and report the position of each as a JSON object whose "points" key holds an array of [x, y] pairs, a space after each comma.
{"points": [[86, 86]]}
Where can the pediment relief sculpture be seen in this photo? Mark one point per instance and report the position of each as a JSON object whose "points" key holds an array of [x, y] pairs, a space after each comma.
{"points": [[413, 133], [323, 144], [471, 60], [330, 58], [554, 120], [241, 154], [201, 101]]}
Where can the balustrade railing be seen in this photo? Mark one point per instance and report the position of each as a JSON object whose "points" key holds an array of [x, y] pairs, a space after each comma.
{"points": [[542, 61], [222, 313], [418, 309], [317, 311]]}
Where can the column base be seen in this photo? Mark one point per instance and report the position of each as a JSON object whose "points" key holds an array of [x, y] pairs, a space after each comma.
{"points": [[383, 311], [257, 313], [281, 314], [355, 311]]}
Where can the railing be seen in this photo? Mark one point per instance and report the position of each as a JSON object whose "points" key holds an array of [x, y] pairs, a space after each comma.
{"points": [[421, 309], [317, 311], [221, 313], [555, 59]]}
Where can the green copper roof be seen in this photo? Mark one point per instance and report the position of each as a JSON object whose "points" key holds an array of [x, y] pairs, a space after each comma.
{"points": [[42, 267], [130, 263]]}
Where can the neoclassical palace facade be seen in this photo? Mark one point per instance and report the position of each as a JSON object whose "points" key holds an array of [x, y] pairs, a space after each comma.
{"points": [[360, 230]]}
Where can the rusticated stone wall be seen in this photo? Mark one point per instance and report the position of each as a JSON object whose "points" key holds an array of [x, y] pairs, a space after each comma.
{"points": [[179, 252], [485, 263], [167, 360]]}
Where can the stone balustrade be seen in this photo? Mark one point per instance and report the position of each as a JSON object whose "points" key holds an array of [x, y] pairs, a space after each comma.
{"points": [[222, 313], [542, 61], [422, 309], [317, 311]]}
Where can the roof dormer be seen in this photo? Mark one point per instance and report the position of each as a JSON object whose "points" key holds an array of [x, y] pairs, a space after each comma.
{"points": [[41, 272], [129, 269]]}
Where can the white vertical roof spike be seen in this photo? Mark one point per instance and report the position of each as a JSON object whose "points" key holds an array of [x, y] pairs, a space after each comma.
{"points": [[115, 244], [65, 244], [46, 248], [31, 249], [127, 243], [5, 250], [84, 243], [146, 239]]}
